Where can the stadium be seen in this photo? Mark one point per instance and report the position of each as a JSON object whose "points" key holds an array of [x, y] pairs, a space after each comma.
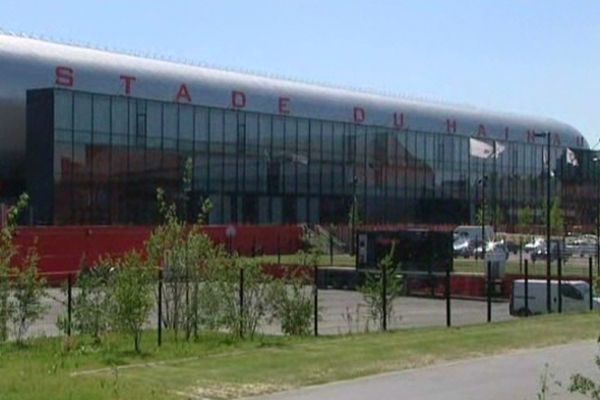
{"points": [[91, 134]]}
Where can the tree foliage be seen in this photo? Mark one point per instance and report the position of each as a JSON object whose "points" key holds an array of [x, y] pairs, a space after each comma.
{"points": [[93, 304], [372, 289], [355, 217], [133, 299], [292, 301], [27, 305], [526, 219]]}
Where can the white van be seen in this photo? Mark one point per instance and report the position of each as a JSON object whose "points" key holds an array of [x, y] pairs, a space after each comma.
{"points": [[575, 297]]}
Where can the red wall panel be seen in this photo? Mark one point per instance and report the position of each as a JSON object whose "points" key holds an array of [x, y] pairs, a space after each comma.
{"points": [[62, 250]]}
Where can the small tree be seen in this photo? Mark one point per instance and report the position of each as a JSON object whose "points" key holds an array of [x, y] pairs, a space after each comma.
{"points": [[28, 294], [243, 321], [354, 214], [7, 251], [372, 289], [183, 253], [557, 219], [526, 218], [292, 302], [132, 297], [479, 215], [93, 304]]}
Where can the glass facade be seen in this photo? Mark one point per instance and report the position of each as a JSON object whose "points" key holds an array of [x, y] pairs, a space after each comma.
{"points": [[110, 153]]}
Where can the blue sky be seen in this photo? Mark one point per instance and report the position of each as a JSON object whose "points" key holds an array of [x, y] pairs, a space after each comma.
{"points": [[533, 57]]}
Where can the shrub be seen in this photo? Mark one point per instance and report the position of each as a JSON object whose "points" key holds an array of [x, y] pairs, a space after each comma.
{"points": [[243, 321], [372, 289], [27, 306], [94, 301], [7, 252], [132, 296], [293, 305]]}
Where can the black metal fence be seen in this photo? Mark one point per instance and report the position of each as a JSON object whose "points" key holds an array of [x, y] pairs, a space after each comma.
{"points": [[346, 301]]}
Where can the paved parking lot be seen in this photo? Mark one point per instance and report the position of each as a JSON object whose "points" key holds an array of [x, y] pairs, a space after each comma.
{"points": [[342, 312]]}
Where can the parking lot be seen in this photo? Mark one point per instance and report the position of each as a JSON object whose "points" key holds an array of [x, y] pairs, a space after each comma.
{"points": [[341, 311]]}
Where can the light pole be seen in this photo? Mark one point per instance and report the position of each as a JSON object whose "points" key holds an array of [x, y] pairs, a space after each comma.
{"points": [[597, 209], [483, 183], [548, 226], [353, 217]]}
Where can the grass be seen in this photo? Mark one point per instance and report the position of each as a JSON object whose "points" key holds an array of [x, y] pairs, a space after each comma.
{"points": [[216, 367], [574, 267], [339, 260]]}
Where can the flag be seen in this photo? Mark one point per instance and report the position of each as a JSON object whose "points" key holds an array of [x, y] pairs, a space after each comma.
{"points": [[499, 149], [571, 158], [480, 149]]}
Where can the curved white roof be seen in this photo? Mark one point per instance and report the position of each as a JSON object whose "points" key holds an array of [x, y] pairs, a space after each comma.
{"points": [[27, 63]]}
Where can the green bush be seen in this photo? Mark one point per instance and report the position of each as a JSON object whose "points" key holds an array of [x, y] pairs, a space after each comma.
{"points": [[372, 289], [94, 300], [28, 292], [293, 304], [133, 298]]}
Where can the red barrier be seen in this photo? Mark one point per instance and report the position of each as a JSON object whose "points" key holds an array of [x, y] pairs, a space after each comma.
{"points": [[64, 250]]}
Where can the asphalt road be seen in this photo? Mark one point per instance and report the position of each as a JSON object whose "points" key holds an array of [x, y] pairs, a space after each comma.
{"points": [[510, 376]]}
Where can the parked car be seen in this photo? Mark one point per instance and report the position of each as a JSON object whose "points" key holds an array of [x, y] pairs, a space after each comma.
{"points": [[492, 247], [534, 245], [463, 248], [556, 247], [473, 233], [575, 297], [581, 245], [511, 246]]}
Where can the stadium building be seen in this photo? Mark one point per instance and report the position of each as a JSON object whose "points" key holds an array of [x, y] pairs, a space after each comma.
{"points": [[91, 134]]}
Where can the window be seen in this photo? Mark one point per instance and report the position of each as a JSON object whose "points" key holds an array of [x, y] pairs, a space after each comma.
{"points": [[570, 292]]}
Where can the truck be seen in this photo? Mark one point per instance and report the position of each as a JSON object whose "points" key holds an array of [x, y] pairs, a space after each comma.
{"points": [[575, 296]]}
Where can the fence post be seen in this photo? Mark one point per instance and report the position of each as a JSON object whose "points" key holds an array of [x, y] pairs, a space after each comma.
{"points": [[241, 302], [330, 249], [187, 295], [159, 317], [448, 305], [591, 277], [559, 271], [521, 255], [526, 288], [384, 296], [489, 291], [316, 299], [69, 303], [278, 250]]}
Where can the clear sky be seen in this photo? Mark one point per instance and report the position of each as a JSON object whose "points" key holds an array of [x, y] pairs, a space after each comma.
{"points": [[534, 57]]}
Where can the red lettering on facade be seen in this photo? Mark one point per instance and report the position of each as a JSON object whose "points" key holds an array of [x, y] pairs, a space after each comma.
{"points": [[128, 81], [238, 99], [183, 94], [65, 76], [359, 115], [481, 131], [399, 120], [451, 126], [284, 103]]}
